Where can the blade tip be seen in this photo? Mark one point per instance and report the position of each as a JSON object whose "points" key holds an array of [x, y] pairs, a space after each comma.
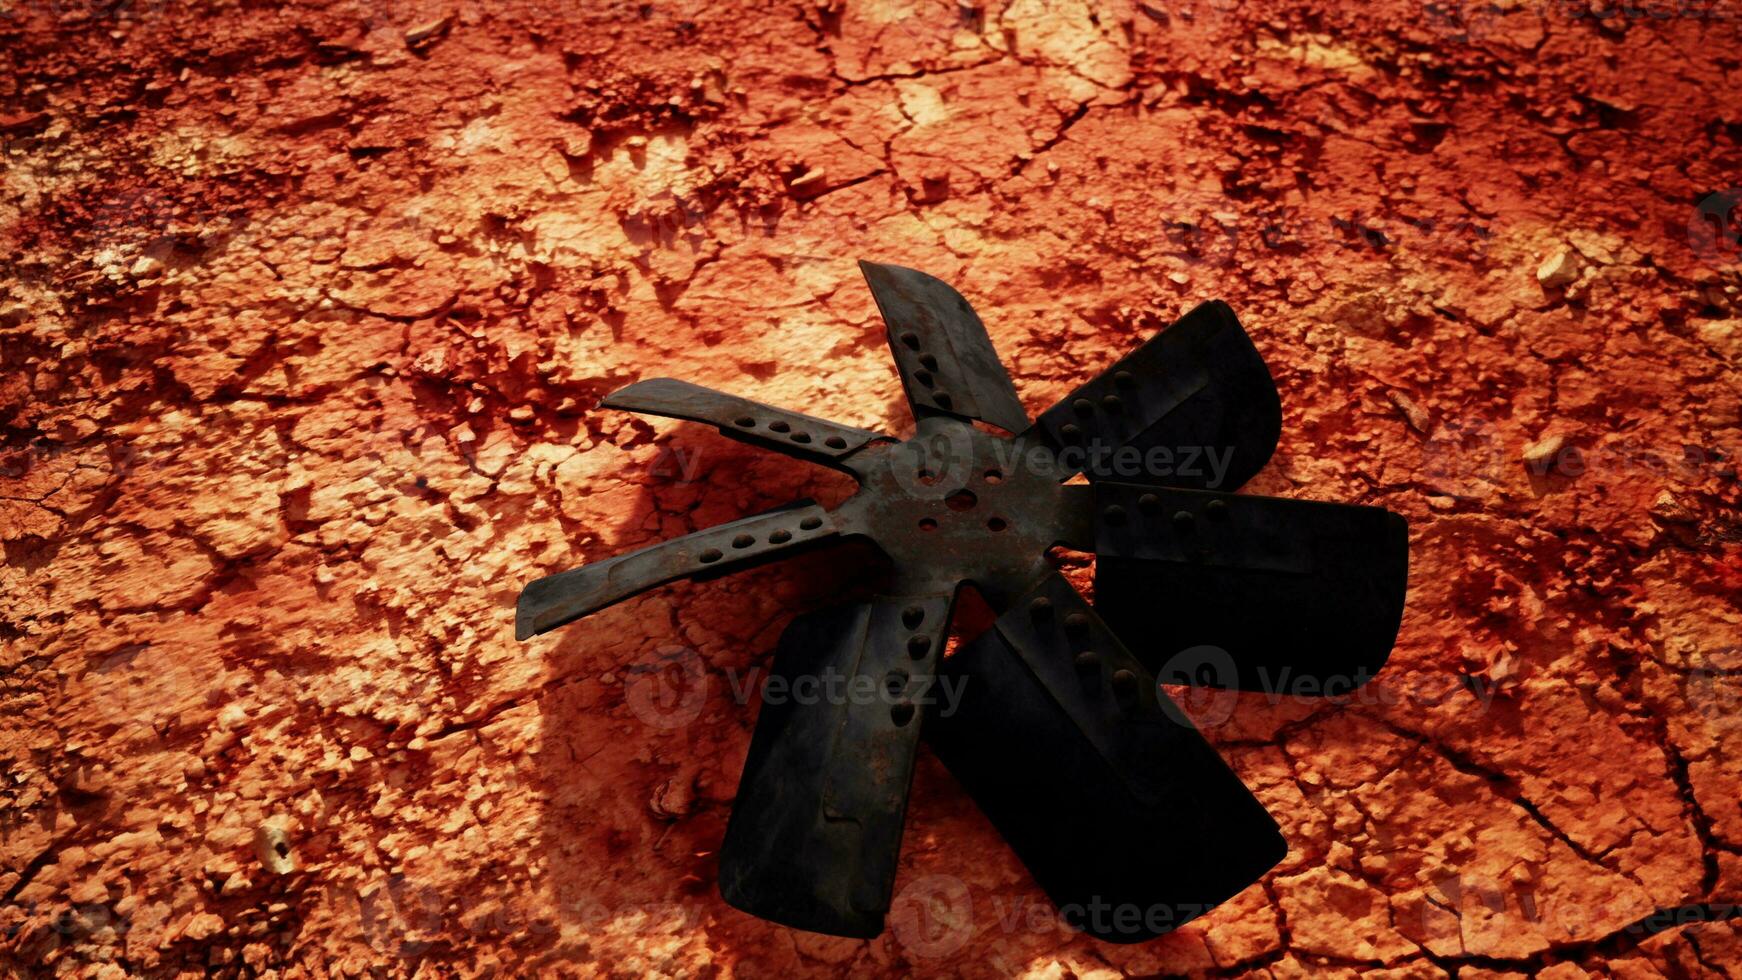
{"points": [[874, 272], [624, 397], [527, 622]]}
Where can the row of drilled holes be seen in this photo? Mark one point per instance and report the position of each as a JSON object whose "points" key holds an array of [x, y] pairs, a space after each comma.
{"points": [[918, 646], [1183, 520], [927, 364], [742, 541], [1086, 660], [1111, 403], [785, 428]]}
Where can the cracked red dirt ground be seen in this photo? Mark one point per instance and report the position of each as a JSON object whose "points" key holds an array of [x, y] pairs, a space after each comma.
{"points": [[306, 311]]}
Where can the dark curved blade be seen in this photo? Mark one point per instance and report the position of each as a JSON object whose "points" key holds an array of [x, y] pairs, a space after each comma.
{"points": [[559, 599], [1122, 811], [947, 362], [1293, 596], [753, 422], [1193, 407], [816, 828]]}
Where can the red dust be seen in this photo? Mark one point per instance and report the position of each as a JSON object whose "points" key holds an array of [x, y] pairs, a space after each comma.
{"points": [[306, 311]]}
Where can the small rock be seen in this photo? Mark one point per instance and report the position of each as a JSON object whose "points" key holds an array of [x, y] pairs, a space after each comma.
{"points": [[1559, 269], [23, 122], [674, 798], [808, 184], [146, 267], [428, 32], [934, 186], [203, 926], [1413, 413], [232, 716], [272, 847], [1668, 509], [576, 145], [1541, 455], [432, 362]]}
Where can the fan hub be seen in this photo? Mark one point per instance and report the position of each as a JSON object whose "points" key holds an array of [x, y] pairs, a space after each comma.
{"points": [[955, 504]]}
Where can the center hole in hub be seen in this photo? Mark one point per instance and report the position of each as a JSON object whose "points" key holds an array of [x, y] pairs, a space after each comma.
{"points": [[961, 500]]}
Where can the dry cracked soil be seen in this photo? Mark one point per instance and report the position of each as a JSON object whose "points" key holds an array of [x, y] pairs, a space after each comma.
{"points": [[307, 309]]}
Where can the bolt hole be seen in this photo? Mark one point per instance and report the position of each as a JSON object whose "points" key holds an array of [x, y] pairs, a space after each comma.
{"points": [[810, 523], [923, 377], [710, 556], [994, 476], [743, 541], [744, 421], [926, 476], [996, 524], [911, 339], [918, 646], [961, 500], [901, 713], [912, 616], [894, 682], [800, 437], [780, 537], [927, 524], [835, 442], [779, 427]]}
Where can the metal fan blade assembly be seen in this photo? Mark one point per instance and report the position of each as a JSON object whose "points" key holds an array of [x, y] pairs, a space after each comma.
{"points": [[1120, 808]]}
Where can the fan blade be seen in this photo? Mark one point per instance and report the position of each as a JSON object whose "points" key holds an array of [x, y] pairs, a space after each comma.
{"points": [[792, 433], [941, 348], [816, 828], [1194, 407], [1122, 811], [556, 600], [1292, 596]]}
